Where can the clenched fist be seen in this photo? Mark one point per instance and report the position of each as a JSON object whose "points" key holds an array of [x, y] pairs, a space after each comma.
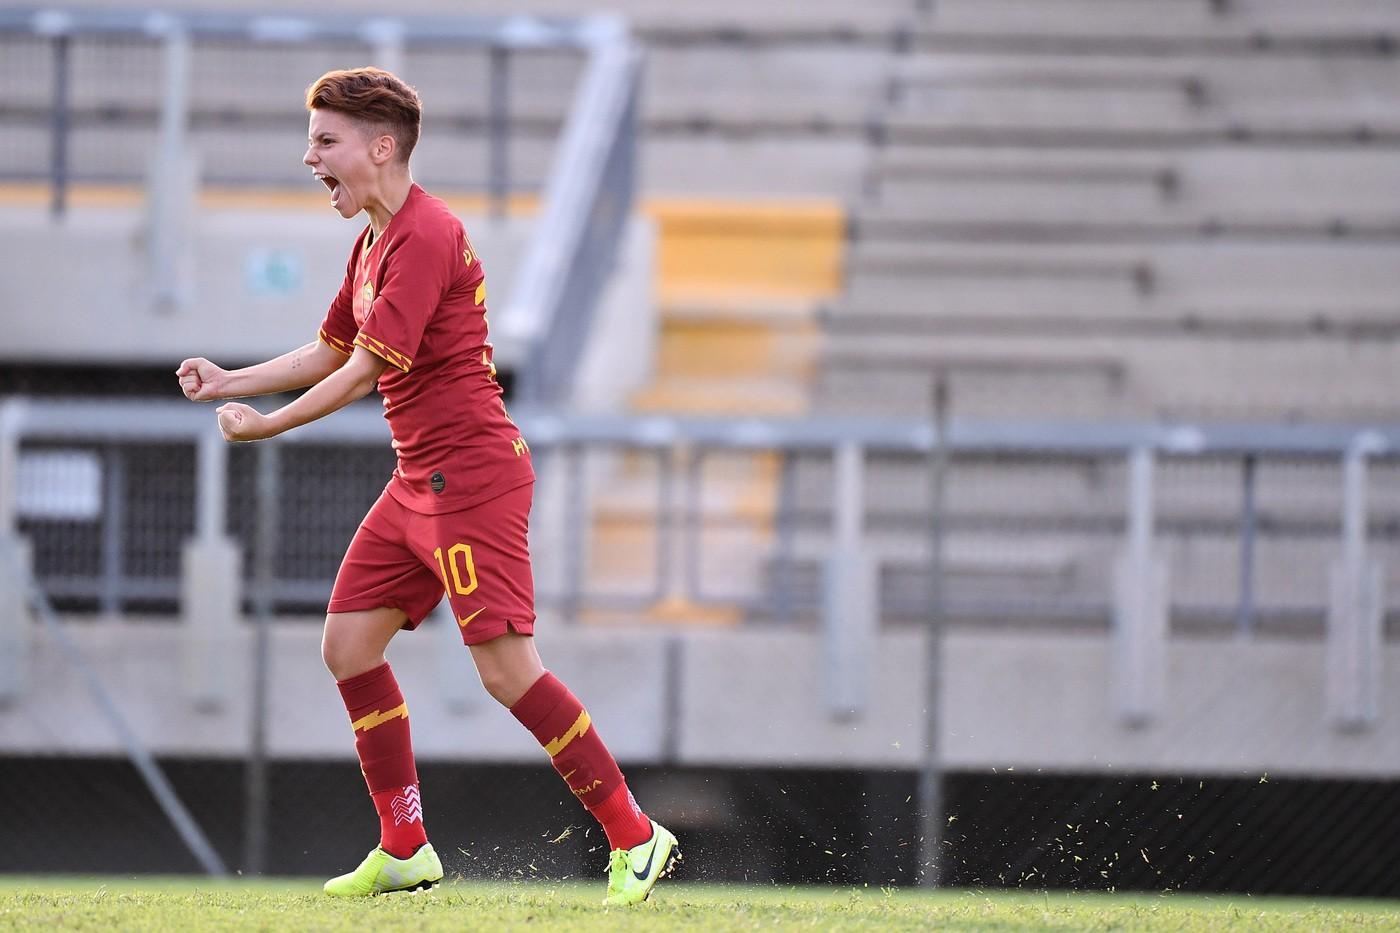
{"points": [[201, 380], [239, 422]]}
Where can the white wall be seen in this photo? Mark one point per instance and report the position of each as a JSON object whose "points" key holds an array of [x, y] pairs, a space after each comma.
{"points": [[76, 290], [1010, 700]]}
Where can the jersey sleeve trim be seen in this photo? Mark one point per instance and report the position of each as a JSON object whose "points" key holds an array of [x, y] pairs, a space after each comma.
{"points": [[339, 346], [384, 351]]}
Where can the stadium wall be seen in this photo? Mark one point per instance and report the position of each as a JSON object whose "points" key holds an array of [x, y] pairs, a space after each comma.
{"points": [[1010, 701]]}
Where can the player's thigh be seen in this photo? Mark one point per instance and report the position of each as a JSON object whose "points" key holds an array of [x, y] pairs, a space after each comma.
{"points": [[481, 557], [382, 587], [354, 642]]}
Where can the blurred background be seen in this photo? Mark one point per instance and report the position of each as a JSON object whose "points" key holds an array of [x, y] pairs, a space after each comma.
{"points": [[968, 436]]}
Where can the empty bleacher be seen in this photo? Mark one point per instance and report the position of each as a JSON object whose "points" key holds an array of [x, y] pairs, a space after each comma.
{"points": [[735, 100], [1117, 209], [1183, 208]]}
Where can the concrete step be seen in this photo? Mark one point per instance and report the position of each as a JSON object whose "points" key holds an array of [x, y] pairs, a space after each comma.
{"points": [[754, 165], [991, 384], [807, 83], [1073, 375], [1056, 277], [1148, 19], [1138, 93], [1192, 186]]}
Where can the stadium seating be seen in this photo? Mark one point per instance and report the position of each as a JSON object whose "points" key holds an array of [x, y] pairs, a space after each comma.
{"points": [[1099, 216], [1074, 208], [801, 136], [1125, 210]]}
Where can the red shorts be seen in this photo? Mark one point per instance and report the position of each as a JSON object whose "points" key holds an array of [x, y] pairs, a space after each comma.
{"points": [[404, 559]]}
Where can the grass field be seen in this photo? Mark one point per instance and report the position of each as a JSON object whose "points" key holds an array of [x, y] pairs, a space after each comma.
{"points": [[183, 904]]}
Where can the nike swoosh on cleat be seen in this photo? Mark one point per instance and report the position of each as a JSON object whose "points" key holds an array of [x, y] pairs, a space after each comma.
{"points": [[468, 620], [646, 869]]}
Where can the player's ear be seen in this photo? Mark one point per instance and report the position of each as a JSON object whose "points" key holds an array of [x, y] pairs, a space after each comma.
{"points": [[384, 148]]}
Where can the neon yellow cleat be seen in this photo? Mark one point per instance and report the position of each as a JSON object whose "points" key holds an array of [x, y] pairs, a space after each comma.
{"points": [[381, 873], [632, 873]]}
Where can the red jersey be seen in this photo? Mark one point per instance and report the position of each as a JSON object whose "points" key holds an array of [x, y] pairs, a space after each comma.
{"points": [[416, 297]]}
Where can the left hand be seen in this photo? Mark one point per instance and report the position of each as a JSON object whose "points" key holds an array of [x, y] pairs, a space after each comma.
{"points": [[239, 422]]}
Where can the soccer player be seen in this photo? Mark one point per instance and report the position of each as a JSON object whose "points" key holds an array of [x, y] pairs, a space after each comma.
{"points": [[410, 319]]}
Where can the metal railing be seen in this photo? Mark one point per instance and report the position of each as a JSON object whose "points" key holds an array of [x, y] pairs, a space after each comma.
{"points": [[764, 520], [587, 196], [680, 452]]}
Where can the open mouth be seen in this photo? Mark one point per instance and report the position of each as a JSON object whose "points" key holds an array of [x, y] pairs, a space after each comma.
{"points": [[332, 184]]}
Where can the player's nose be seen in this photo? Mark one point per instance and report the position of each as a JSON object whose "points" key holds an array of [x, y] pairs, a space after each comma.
{"points": [[309, 158]]}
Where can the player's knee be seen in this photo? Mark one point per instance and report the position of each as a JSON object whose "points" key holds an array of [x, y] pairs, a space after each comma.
{"points": [[496, 684], [343, 658], [503, 684]]}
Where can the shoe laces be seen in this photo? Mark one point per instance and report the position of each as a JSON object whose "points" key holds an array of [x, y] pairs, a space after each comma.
{"points": [[617, 860]]}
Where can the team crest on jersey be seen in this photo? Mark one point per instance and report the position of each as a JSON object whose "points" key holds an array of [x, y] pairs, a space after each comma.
{"points": [[367, 294]]}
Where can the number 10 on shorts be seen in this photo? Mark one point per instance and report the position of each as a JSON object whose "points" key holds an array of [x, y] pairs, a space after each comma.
{"points": [[455, 585]]}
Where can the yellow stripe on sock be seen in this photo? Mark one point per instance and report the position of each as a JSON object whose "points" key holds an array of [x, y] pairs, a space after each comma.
{"points": [[579, 727], [376, 718]]}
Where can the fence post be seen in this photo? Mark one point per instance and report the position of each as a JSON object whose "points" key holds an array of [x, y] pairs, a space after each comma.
{"points": [[173, 174], [1355, 605], [930, 782], [849, 596], [113, 528], [59, 125], [211, 581], [255, 784], [498, 121], [1249, 532], [1139, 604], [16, 560]]}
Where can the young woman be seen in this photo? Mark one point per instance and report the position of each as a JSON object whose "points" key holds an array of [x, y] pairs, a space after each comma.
{"points": [[410, 319]]}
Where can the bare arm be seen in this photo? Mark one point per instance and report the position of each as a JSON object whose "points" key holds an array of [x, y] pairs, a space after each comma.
{"points": [[350, 382], [203, 381]]}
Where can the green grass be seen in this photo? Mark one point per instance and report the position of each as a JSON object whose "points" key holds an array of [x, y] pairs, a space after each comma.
{"points": [[183, 904]]}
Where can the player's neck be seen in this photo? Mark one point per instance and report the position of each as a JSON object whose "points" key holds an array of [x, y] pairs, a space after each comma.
{"points": [[393, 192]]}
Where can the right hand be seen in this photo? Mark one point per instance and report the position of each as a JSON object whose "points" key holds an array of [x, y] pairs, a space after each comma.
{"points": [[201, 380]]}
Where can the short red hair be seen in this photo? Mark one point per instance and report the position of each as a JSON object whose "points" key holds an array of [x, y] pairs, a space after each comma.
{"points": [[377, 98]]}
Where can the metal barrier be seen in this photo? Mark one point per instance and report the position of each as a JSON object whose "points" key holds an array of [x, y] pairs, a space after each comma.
{"points": [[777, 521]]}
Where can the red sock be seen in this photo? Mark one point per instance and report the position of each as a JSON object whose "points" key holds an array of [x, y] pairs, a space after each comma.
{"points": [[559, 722], [379, 717]]}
